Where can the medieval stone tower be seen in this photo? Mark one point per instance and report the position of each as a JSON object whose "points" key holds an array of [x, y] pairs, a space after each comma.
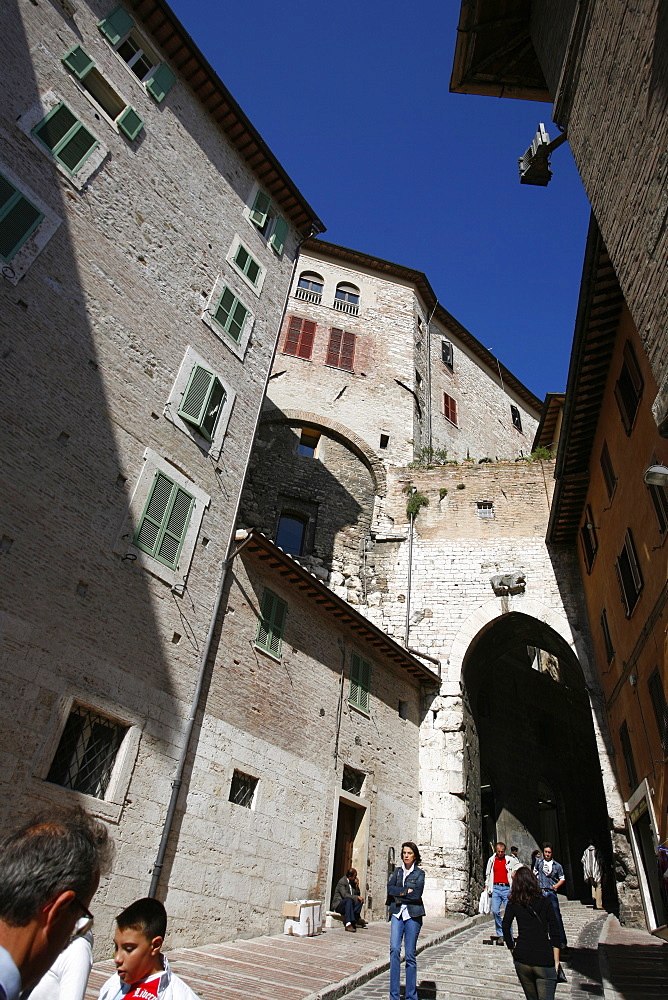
{"points": [[378, 397]]}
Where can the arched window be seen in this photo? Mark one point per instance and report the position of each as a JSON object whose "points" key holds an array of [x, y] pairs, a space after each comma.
{"points": [[309, 287], [347, 298], [291, 532]]}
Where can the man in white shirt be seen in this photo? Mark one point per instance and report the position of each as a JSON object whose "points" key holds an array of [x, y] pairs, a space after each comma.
{"points": [[49, 871]]}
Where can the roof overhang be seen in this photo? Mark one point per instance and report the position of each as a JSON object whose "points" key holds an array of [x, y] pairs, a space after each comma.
{"points": [[358, 260], [193, 67], [548, 427], [596, 326], [367, 634], [494, 54]]}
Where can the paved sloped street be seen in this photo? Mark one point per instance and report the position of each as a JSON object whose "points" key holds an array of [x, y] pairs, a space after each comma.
{"points": [[455, 963]]}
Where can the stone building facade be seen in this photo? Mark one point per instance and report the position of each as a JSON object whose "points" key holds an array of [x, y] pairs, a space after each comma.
{"points": [[142, 291], [603, 65]]}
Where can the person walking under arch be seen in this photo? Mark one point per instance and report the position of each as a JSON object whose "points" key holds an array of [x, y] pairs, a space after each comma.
{"points": [[551, 877], [498, 878]]}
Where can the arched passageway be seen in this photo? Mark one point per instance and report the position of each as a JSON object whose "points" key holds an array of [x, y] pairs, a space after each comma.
{"points": [[531, 741]]}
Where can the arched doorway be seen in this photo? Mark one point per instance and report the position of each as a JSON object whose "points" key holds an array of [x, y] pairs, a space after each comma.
{"points": [[539, 772]]}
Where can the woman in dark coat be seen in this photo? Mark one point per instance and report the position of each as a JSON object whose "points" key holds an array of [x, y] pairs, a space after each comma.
{"points": [[404, 892], [536, 948]]}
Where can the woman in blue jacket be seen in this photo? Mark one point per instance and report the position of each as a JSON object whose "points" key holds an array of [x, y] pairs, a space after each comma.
{"points": [[404, 891]]}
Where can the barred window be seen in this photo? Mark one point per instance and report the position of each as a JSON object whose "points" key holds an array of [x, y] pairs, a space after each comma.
{"points": [[352, 780], [242, 789], [87, 752], [485, 508]]}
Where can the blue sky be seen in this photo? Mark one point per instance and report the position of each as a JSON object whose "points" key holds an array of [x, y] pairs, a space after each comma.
{"points": [[353, 99]]}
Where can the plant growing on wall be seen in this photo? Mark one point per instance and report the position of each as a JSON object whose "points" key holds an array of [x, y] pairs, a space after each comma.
{"points": [[541, 454], [416, 501], [442, 493]]}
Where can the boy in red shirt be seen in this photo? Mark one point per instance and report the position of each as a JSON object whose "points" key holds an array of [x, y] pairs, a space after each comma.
{"points": [[143, 972]]}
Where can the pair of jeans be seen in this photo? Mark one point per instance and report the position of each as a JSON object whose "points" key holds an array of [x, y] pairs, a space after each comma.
{"points": [[500, 894], [408, 930], [349, 908], [554, 899], [538, 981]]}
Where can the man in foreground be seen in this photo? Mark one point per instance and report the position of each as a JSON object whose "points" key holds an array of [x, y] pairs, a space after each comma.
{"points": [[49, 871]]}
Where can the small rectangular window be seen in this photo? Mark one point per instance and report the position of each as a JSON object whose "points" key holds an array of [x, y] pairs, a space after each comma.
{"points": [[659, 498], [65, 137], [447, 354], [114, 106], [341, 349], [299, 338], [247, 264], [589, 538], [627, 753], [308, 442], [163, 525], [516, 417], [86, 752], [628, 389], [384, 441], [352, 780], [658, 697], [607, 638], [18, 219], [485, 508], [273, 612], [360, 682], [202, 401], [230, 314], [608, 472], [450, 408], [402, 709], [628, 574], [242, 789]]}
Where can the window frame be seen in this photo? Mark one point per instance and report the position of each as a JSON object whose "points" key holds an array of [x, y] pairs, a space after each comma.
{"points": [[300, 519], [629, 381], [239, 347], [607, 636], [629, 550], [158, 69], [485, 505], [36, 115], [608, 470], [254, 792], [359, 690], [124, 545], [447, 354], [214, 447], [35, 241], [109, 808], [588, 539], [237, 245], [272, 607], [450, 406], [264, 216], [15, 198], [154, 550], [119, 121], [628, 756]]}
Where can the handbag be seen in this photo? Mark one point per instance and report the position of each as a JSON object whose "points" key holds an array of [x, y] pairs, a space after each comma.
{"points": [[484, 905], [561, 975]]}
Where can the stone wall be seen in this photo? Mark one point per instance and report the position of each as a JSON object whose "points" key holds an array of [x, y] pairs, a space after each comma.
{"points": [[94, 335]]}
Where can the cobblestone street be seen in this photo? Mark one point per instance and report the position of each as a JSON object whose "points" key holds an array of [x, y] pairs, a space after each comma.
{"points": [[456, 963]]}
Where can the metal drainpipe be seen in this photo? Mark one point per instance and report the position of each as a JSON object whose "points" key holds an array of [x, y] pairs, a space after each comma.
{"points": [[178, 777], [408, 588]]}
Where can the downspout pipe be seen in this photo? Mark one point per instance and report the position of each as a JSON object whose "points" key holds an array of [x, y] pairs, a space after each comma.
{"points": [[408, 585], [197, 694]]}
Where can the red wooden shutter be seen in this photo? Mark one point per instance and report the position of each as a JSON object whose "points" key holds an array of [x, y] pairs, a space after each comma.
{"points": [[306, 339], [348, 351], [334, 348], [291, 345], [450, 407]]}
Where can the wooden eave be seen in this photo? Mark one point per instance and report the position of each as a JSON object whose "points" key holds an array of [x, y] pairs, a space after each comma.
{"points": [[596, 325], [494, 54], [546, 430], [357, 259], [161, 23], [291, 572]]}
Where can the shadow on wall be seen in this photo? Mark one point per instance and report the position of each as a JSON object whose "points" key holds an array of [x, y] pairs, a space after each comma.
{"points": [[312, 477], [80, 624], [536, 743]]}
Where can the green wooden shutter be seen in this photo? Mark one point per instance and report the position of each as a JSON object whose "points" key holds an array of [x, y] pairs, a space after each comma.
{"points": [[78, 61], [116, 25], [196, 396], [260, 209], [231, 314], [277, 240], [130, 123], [365, 684], [213, 408], [160, 82], [18, 219], [164, 523], [354, 693], [273, 612], [247, 264], [66, 137]]}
